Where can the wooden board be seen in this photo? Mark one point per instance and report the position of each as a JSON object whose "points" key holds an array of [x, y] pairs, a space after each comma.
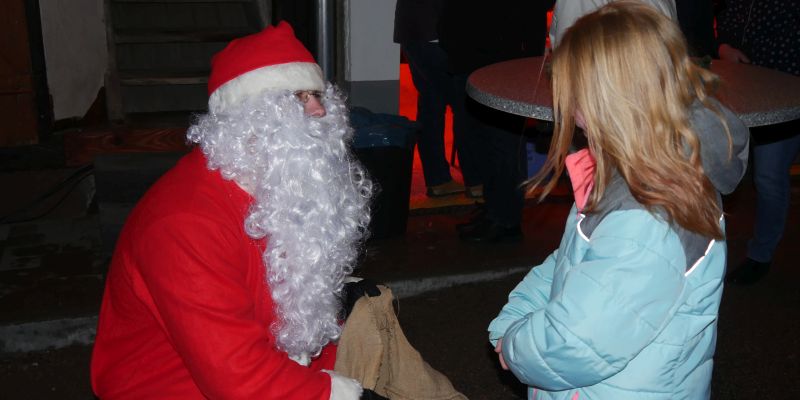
{"points": [[80, 148]]}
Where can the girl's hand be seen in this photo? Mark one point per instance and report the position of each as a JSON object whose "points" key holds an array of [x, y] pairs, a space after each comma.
{"points": [[732, 54], [499, 350]]}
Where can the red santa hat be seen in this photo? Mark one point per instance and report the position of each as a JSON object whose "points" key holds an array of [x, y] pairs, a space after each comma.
{"points": [[272, 59]]}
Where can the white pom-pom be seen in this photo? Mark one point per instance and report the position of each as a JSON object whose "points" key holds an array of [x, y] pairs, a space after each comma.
{"points": [[344, 388]]}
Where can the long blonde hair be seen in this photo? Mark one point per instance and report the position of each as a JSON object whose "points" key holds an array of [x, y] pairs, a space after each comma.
{"points": [[625, 67]]}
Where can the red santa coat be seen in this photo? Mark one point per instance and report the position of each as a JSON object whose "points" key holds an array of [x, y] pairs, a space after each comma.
{"points": [[186, 312]]}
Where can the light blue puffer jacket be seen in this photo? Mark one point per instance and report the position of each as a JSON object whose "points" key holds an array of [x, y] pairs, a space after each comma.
{"points": [[626, 307]]}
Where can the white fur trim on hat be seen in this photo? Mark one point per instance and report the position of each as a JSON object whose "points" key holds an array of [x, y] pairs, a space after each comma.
{"points": [[290, 76]]}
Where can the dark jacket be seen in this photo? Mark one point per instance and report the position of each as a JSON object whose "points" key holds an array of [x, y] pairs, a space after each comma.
{"points": [[696, 18], [768, 32], [416, 20], [478, 33]]}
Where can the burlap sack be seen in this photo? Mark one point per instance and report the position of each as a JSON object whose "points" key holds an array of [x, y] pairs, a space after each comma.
{"points": [[374, 351]]}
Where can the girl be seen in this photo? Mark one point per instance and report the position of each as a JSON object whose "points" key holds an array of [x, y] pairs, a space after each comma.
{"points": [[626, 307]]}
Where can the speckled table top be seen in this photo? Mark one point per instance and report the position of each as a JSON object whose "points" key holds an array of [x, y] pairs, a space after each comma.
{"points": [[759, 96]]}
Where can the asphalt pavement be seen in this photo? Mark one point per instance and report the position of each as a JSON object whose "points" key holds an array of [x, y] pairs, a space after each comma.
{"points": [[449, 292]]}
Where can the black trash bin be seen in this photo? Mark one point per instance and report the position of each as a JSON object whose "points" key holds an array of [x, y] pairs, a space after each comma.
{"points": [[384, 144]]}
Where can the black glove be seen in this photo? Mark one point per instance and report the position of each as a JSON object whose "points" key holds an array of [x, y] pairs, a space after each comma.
{"points": [[370, 395], [353, 291]]}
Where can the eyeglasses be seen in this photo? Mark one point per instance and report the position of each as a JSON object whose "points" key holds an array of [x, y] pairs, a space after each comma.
{"points": [[305, 95]]}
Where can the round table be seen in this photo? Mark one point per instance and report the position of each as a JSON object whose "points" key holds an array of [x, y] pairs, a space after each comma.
{"points": [[759, 96]]}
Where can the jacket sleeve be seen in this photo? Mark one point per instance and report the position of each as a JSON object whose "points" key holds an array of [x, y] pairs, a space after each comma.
{"points": [[530, 295], [192, 269], [613, 303]]}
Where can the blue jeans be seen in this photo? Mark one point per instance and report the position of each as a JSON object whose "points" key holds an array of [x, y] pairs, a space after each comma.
{"points": [[771, 163], [428, 64]]}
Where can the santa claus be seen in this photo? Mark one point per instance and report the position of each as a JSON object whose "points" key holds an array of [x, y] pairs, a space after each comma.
{"points": [[226, 279]]}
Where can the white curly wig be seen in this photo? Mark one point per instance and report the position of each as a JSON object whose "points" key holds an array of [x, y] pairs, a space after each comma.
{"points": [[311, 202]]}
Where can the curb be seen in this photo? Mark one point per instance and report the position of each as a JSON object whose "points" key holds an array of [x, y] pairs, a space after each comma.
{"points": [[59, 333]]}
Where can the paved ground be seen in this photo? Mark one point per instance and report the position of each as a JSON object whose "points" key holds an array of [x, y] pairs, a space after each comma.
{"points": [[53, 269], [757, 353]]}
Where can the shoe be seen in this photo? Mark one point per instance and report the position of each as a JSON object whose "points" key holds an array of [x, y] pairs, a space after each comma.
{"points": [[446, 189], [475, 192], [491, 232], [478, 217], [748, 272]]}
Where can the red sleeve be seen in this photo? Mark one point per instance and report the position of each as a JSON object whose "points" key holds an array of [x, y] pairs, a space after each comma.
{"points": [[194, 272]]}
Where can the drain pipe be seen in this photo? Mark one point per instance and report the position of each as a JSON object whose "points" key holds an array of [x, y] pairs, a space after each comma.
{"points": [[325, 38]]}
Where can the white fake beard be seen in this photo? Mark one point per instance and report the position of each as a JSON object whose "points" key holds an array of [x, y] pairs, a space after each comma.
{"points": [[311, 201]]}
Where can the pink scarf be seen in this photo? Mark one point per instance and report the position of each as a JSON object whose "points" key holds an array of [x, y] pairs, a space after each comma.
{"points": [[581, 167]]}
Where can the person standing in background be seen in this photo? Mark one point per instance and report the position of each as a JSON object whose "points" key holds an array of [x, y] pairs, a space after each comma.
{"points": [[566, 12], [475, 34], [696, 19], [765, 33], [415, 29]]}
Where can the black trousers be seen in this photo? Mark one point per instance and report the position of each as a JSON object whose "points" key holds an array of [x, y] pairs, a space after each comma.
{"points": [[500, 145]]}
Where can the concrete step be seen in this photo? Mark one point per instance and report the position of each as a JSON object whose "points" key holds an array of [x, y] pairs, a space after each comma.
{"points": [[125, 36], [122, 180], [154, 78], [165, 97], [181, 1], [187, 56], [183, 16]]}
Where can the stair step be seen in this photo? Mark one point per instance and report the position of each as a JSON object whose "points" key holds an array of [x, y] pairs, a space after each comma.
{"points": [[169, 16], [167, 56], [129, 36], [181, 1], [154, 78], [162, 50], [158, 98]]}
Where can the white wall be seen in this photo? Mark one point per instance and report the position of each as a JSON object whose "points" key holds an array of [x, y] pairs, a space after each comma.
{"points": [[372, 59], [372, 54], [75, 53]]}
